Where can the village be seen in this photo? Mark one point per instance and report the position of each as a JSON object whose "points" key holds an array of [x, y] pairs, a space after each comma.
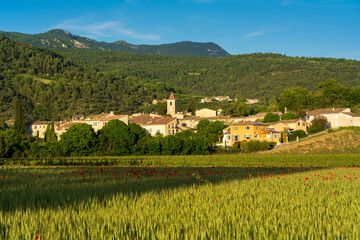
{"points": [[238, 128]]}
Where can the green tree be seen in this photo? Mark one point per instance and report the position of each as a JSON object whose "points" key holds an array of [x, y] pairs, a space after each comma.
{"points": [[137, 130], [271, 117], [161, 108], [3, 125], [318, 124], [50, 135], [239, 109], [19, 124], [294, 99], [115, 138], [297, 133], [192, 106], [202, 124], [287, 116], [171, 145], [78, 140], [2, 146], [333, 92]]}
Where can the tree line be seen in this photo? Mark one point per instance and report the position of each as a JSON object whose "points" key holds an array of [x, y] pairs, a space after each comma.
{"points": [[114, 139]]}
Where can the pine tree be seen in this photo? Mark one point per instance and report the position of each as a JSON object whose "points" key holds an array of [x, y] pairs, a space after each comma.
{"points": [[19, 124]]}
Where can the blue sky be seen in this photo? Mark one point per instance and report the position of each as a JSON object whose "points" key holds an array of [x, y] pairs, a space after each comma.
{"points": [[318, 28]]}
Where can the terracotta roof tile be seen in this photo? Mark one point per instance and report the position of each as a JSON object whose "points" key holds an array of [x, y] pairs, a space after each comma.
{"points": [[39, 123], [108, 118], [351, 114], [325, 111], [142, 119], [67, 125], [161, 121], [172, 97], [247, 123]]}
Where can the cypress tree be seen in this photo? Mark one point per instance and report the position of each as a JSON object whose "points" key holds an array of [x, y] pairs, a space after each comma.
{"points": [[19, 124], [50, 135]]}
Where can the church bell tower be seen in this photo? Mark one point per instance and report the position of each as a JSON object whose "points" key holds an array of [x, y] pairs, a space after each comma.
{"points": [[171, 105]]}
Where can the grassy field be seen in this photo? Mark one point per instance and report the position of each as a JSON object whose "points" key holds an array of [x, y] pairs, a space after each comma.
{"points": [[248, 197]]}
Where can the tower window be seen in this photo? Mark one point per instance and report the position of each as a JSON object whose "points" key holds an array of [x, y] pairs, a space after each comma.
{"points": [[170, 103]]}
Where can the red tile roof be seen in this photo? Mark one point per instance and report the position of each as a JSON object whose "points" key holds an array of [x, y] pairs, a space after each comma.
{"points": [[325, 111], [39, 123], [247, 123], [161, 121], [351, 114], [172, 97], [141, 119]]}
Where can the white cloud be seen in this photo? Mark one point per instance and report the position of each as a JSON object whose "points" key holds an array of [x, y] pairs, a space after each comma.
{"points": [[264, 31], [104, 29]]}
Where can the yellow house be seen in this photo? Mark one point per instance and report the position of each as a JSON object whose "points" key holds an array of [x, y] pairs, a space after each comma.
{"points": [[288, 125], [247, 131]]}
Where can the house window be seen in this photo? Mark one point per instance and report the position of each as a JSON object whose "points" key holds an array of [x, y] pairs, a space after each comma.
{"points": [[235, 128], [298, 123], [276, 135], [257, 127], [336, 124], [169, 132], [265, 127], [268, 135], [150, 130], [336, 117], [236, 138], [247, 136], [247, 128], [94, 124], [228, 137], [168, 125], [35, 127], [303, 124], [257, 136]]}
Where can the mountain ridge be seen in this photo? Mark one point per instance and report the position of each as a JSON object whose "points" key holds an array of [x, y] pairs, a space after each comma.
{"points": [[58, 38]]}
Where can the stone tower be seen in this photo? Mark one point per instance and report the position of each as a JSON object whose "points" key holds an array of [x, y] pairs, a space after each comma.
{"points": [[171, 105]]}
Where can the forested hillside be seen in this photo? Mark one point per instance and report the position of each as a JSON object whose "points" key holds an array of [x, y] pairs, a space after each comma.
{"points": [[52, 87], [58, 38], [252, 75]]}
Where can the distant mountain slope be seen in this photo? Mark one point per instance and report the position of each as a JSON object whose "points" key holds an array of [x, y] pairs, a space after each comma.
{"points": [[258, 75], [58, 38], [52, 87]]}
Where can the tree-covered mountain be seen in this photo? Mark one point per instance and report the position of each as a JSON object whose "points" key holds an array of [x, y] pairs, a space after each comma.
{"points": [[255, 75], [52, 87], [58, 38]]}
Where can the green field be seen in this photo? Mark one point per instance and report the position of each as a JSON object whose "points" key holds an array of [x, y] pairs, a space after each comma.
{"points": [[247, 197]]}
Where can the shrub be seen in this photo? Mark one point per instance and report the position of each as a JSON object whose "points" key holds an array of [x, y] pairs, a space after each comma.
{"points": [[297, 133], [255, 146], [318, 124], [271, 117]]}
